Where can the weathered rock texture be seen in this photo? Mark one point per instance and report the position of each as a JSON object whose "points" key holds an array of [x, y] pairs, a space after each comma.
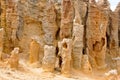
{"points": [[78, 31], [65, 51], [48, 62], [49, 24], [1, 39], [117, 12], [112, 32], [14, 58], [34, 51], [67, 15], [86, 66], [96, 35], [82, 34]]}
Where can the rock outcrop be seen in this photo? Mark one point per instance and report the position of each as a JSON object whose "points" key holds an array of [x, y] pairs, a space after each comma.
{"points": [[67, 16], [49, 23], [65, 51], [96, 36], [49, 58], [34, 51], [76, 34], [14, 59], [86, 66]]}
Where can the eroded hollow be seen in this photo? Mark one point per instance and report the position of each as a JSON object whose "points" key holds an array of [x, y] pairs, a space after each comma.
{"points": [[98, 45], [64, 45]]}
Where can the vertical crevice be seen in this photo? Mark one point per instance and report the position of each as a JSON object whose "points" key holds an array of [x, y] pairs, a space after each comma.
{"points": [[85, 30]]}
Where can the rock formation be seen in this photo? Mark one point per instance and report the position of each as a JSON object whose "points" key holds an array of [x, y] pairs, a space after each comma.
{"points": [[1, 39], [86, 66], [78, 32], [65, 51], [77, 45], [1, 42], [49, 23], [104, 4], [34, 51], [67, 15], [96, 36], [117, 11], [14, 58], [80, 35], [49, 58], [112, 32]]}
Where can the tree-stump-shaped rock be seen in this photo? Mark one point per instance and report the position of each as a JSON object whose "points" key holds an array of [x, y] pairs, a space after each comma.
{"points": [[49, 58], [34, 52]]}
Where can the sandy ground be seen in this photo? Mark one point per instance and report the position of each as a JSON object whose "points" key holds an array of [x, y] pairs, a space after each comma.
{"points": [[26, 72]]}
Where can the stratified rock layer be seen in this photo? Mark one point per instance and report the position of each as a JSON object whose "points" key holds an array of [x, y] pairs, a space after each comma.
{"points": [[81, 34]]}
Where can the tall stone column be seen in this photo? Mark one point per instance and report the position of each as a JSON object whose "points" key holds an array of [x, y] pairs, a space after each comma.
{"points": [[96, 36], [78, 33], [65, 51], [112, 32], [49, 58], [10, 26], [49, 23], [77, 45], [1, 39], [67, 16]]}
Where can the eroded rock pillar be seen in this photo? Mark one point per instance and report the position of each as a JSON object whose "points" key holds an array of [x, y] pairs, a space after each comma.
{"points": [[49, 58], [96, 36], [14, 58], [65, 50], [78, 32], [86, 66], [77, 45], [49, 23], [10, 26], [67, 15], [34, 51]]}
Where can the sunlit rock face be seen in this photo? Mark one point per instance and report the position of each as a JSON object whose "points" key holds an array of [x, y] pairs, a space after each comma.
{"points": [[49, 58], [104, 3], [96, 35], [80, 35], [67, 15], [65, 51]]}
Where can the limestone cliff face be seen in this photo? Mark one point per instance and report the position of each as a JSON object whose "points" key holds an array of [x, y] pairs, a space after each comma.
{"points": [[92, 28]]}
